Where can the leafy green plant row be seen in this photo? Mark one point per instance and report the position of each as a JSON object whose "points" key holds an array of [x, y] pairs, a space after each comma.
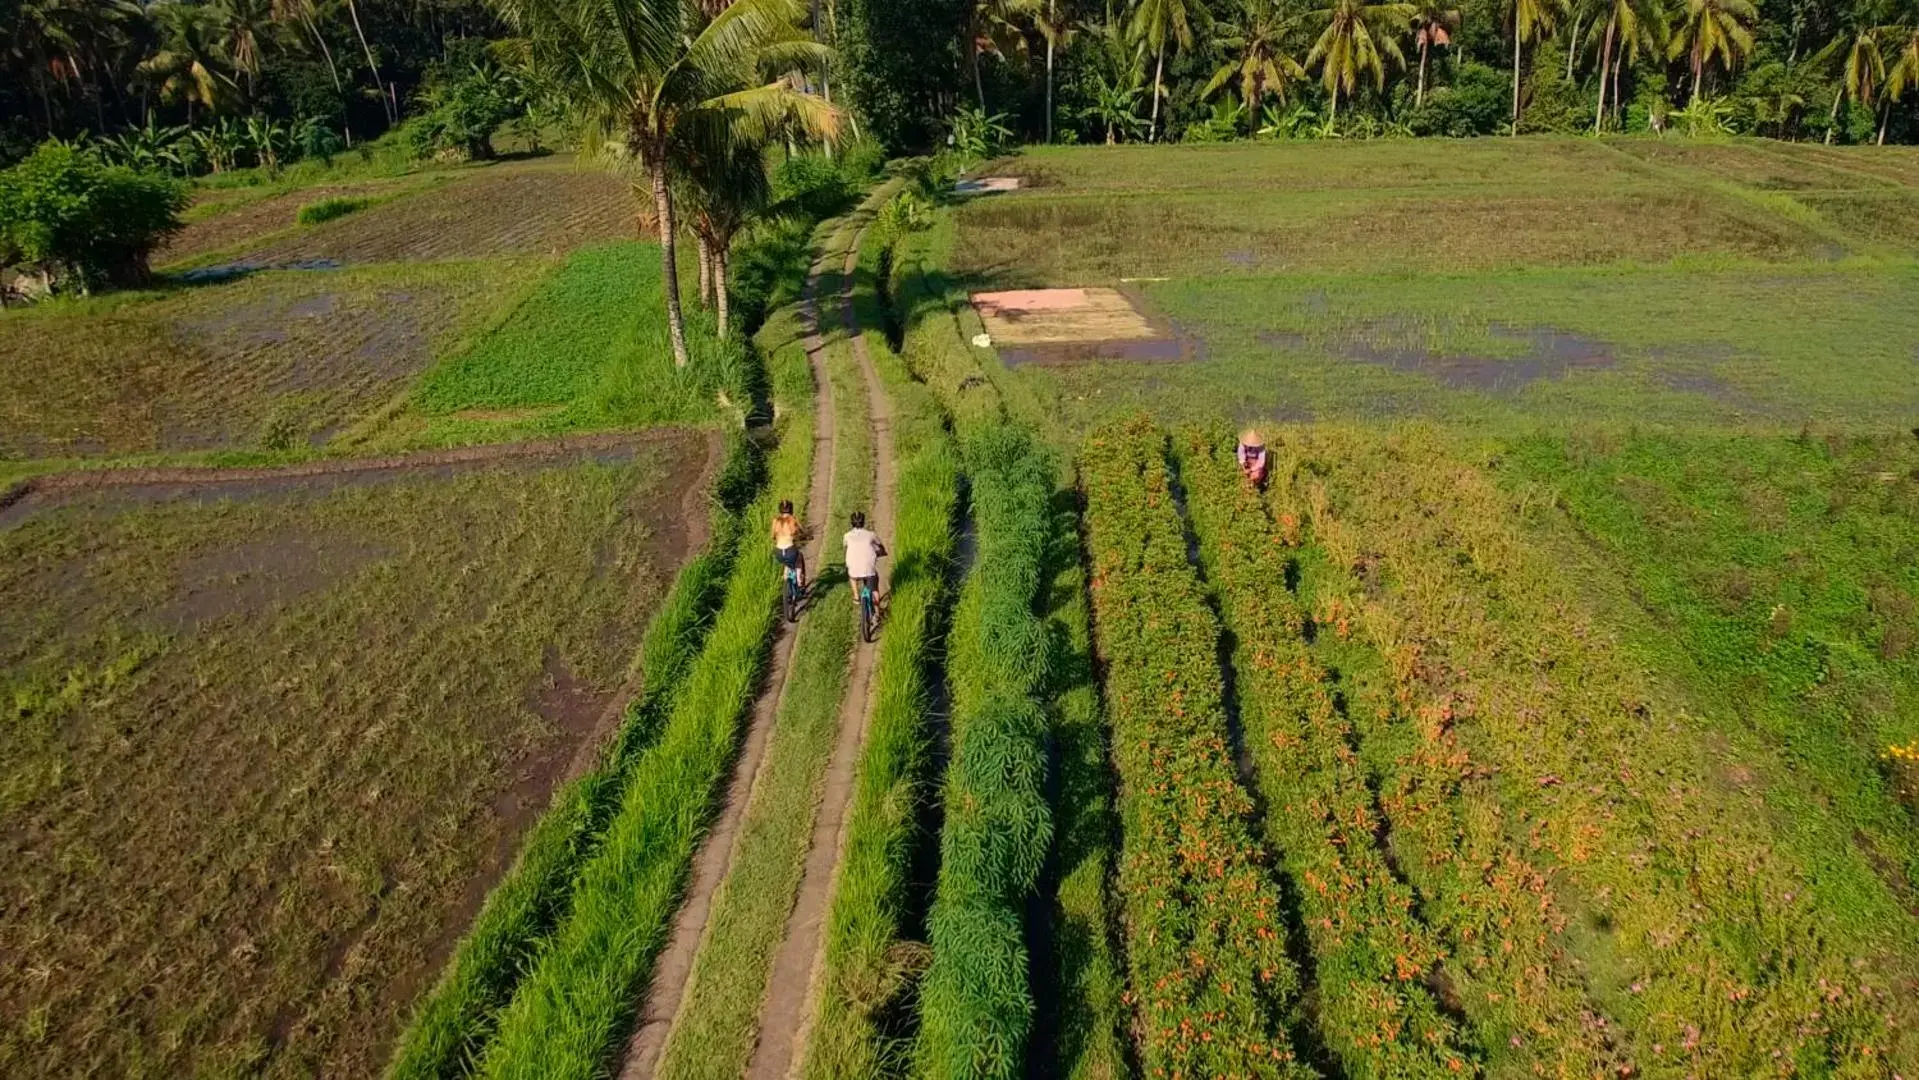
{"points": [[1372, 953], [451, 1025], [1711, 935], [576, 1000], [867, 963], [1077, 981], [1212, 986], [976, 1003]]}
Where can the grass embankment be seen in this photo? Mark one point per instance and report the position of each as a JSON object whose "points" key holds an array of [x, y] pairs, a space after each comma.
{"points": [[976, 1003], [573, 1006], [1373, 954], [324, 210], [451, 1026], [1716, 921], [1075, 984], [867, 964], [713, 1034], [1213, 988]]}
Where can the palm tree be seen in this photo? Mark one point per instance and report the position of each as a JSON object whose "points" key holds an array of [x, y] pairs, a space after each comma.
{"points": [[1155, 24], [1709, 27], [1433, 24], [1256, 41], [1118, 83], [190, 65], [1531, 21], [379, 85], [1359, 40], [994, 26], [1058, 28], [725, 188], [1627, 24], [660, 81], [249, 26], [1903, 74]]}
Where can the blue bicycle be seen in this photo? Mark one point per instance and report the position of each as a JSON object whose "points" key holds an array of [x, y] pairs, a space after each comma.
{"points": [[869, 608], [792, 593]]}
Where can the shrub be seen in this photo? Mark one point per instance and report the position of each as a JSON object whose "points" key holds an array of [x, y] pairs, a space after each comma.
{"points": [[462, 113], [1475, 104], [77, 223], [325, 210]]}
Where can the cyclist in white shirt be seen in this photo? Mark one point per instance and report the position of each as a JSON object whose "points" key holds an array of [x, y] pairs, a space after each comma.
{"points": [[863, 552]]}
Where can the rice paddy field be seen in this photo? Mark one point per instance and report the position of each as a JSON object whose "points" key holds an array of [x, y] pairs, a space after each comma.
{"points": [[1550, 709], [392, 680]]}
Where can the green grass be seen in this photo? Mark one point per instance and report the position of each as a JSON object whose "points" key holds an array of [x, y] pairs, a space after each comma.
{"points": [[718, 1020], [1788, 570], [257, 751], [325, 210], [581, 351], [577, 1001]]}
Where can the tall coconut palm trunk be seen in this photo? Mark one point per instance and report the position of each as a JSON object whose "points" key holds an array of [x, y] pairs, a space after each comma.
{"points": [[669, 260], [706, 271], [722, 306], [1517, 42], [379, 85], [1605, 70], [1049, 75], [1419, 95], [1159, 86]]}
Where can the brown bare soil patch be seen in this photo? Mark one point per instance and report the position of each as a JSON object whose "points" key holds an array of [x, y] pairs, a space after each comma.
{"points": [[254, 775], [517, 209]]}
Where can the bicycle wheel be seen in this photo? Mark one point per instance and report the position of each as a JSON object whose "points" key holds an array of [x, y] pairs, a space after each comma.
{"points": [[790, 600]]}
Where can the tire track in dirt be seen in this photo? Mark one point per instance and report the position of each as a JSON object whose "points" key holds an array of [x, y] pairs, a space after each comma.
{"points": [[666, 991], [30, 494], [786, 1016]]}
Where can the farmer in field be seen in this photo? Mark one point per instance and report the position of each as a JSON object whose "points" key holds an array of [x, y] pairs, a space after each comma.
{"points": [[786, 540], [863, 552], [1252, 456]]}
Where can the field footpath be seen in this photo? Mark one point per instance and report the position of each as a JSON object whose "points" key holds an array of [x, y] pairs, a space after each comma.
{"points": [[35, 492], [792, 993], [666, 992]]}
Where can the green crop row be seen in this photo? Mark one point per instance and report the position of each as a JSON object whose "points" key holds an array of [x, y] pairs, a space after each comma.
{"points": [[976, 1006], [1212, 986], [1076, 979], [452, 1024], [1372, 954], [574, 1002], [325, 210], [867, 964]]}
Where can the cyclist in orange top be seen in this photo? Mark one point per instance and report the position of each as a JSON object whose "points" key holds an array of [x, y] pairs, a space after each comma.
{"points": [[786, 540]]}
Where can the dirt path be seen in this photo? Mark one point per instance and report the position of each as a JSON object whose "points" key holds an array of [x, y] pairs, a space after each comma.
{"points": [[786, 1016], [31, 493], [667, 989]]}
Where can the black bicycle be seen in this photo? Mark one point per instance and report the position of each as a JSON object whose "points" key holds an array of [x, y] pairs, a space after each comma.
{"points": [[791, 594]]}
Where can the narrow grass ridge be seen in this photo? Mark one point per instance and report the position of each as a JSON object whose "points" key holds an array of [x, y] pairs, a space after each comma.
{"points": [[575, 1003], [1372, 952], [1212, 986]]}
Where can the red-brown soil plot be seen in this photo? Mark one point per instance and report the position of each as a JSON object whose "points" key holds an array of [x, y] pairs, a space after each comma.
{"points": [[263, 746]]}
